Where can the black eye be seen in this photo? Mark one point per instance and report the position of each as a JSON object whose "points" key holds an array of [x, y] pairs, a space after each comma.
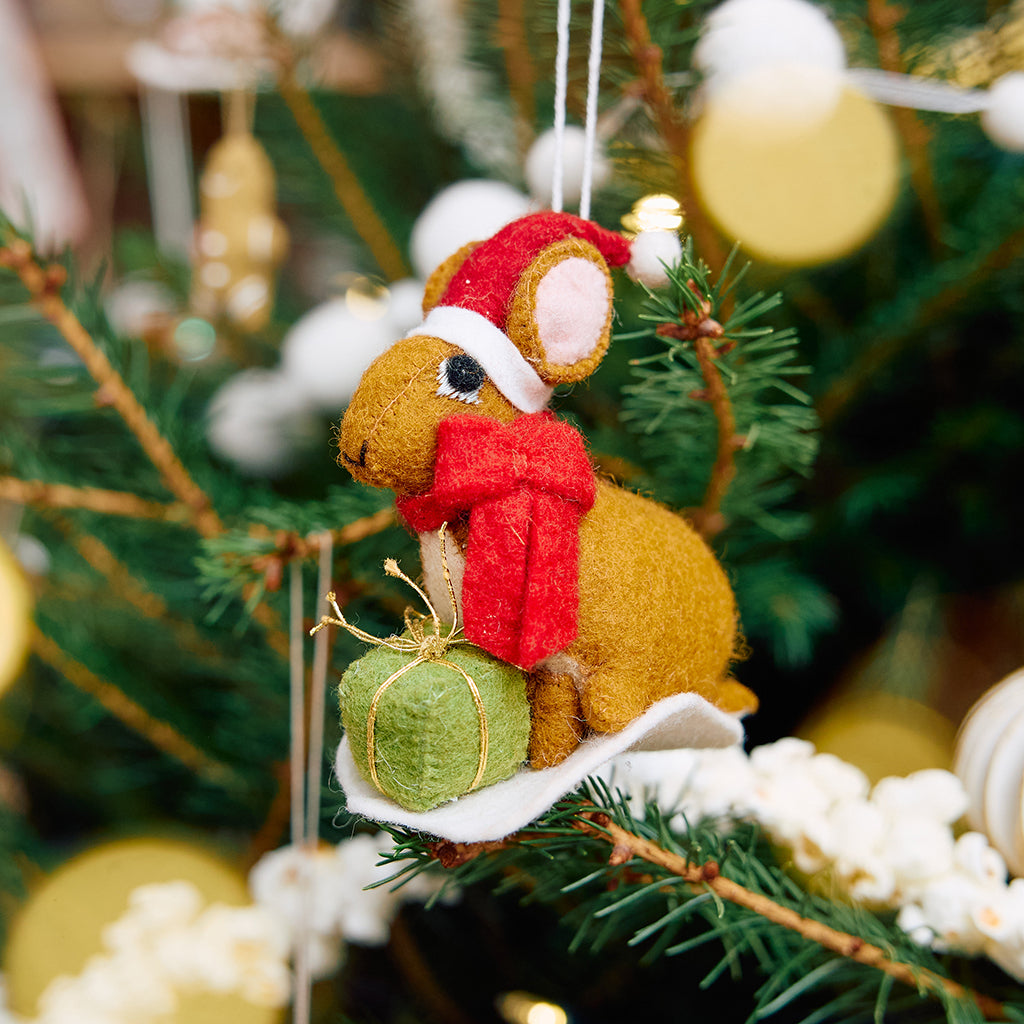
{"points": [[460, 377]]}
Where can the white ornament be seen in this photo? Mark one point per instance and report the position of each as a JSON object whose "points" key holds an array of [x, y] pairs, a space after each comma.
{"points": [[540, 165], [649, 253], [326, 351], [405, 306], [468, 211], [989, 760], [259, 421], [40, 186], [32, 554], [1003, 117], [777, 65], [134, 306]]}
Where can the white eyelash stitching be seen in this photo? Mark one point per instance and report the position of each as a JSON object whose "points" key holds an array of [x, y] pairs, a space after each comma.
{"points": [[445, 390]]}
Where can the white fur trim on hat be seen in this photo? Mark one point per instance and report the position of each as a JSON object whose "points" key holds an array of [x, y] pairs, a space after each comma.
{"points": [[492, 348]]}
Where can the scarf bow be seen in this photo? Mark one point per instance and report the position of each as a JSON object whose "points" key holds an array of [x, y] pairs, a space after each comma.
{"points": [[525, 485]]}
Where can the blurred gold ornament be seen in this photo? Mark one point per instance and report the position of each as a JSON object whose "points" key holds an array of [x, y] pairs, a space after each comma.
{"points": [[990, 763], [240, 242], [882, 734], [61, 926], [656, 212], [15, 617], [974, 60], [801, 200]]}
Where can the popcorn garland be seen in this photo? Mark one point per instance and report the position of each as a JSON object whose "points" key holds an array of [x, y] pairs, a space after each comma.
{"points": [[890, 847], [167, 943]]}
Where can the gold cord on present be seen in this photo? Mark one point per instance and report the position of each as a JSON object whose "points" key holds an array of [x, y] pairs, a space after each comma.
{"points": [[426, 646]]}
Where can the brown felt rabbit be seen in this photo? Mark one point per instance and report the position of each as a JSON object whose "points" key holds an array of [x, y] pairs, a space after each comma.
{"points": [[610, 601]]}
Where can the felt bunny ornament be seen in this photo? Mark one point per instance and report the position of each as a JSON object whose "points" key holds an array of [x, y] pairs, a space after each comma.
{"points": [[609, 601]]}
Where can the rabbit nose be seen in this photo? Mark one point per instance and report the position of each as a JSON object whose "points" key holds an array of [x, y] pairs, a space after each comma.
{"points": [[361, 461]]}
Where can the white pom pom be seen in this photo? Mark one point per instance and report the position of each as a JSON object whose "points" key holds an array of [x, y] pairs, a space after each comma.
{"points": [[776, 65], [468, 211], [647, 254], [540, 165], [405, 305], [134, 306], [260, 422], [33, 556], [327, 350], [1003, 119]]}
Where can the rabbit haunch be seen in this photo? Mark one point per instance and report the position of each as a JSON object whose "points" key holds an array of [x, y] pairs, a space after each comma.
{"points": [[656, 615]]}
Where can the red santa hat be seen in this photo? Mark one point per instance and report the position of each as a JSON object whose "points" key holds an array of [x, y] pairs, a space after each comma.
{"points": [[473, 311]]}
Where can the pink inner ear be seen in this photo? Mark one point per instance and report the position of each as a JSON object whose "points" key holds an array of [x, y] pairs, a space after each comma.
{"points": [[571, 311]]}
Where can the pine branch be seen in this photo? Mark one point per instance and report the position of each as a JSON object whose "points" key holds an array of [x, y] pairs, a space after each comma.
{"points": [[291, 545], [697, 325], [44, 286], [627, 845], [730, 370], [252, 559], [132, 591], [92, 499], [350, 193], [160, 734], [726, 884]]}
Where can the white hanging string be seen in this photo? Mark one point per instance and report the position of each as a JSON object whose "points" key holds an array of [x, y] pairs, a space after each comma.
{"points": [[917, 92], [165, 135], [593, 85], [321, 651], [297, 671], [561, 86], [296, 664]]}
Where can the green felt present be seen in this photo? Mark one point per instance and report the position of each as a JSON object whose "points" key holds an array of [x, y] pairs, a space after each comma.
{"points": [[426, 729]]}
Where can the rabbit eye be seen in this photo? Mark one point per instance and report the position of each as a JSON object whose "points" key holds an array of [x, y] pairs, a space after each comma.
{"points": [[461, 377]]}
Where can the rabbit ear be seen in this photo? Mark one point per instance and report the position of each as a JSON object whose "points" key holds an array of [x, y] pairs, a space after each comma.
{"points": [[561, 312], [439, 280]]}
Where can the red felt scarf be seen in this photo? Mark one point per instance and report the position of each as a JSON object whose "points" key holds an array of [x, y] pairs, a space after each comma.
{"points": [[525, 485]]}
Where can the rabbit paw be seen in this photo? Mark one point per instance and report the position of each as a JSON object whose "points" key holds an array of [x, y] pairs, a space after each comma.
{"points": [[557, 722]]}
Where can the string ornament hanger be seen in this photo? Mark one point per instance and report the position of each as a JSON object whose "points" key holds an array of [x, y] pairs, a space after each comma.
{"points": [[574, 156]]}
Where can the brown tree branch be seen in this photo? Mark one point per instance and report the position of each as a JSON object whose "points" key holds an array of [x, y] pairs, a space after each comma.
{"points": [[289, 545], [91, 499], [883, 19], [626, 846], [707, 876], [510, 36], [699, 327], [44, 284], [351, 195], [673, 129], [160, 734], [132, 591], [708, 518]]}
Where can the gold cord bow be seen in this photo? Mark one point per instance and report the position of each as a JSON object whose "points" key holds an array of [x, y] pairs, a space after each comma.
{"points": [[426, 647]]}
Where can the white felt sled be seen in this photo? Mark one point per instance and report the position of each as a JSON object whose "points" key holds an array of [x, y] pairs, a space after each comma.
{"points": [[682, 720]]}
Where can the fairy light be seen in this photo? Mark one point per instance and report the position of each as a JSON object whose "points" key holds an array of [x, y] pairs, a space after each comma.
{"points": [[366, 299], [655, 212], [524, 1008]]}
